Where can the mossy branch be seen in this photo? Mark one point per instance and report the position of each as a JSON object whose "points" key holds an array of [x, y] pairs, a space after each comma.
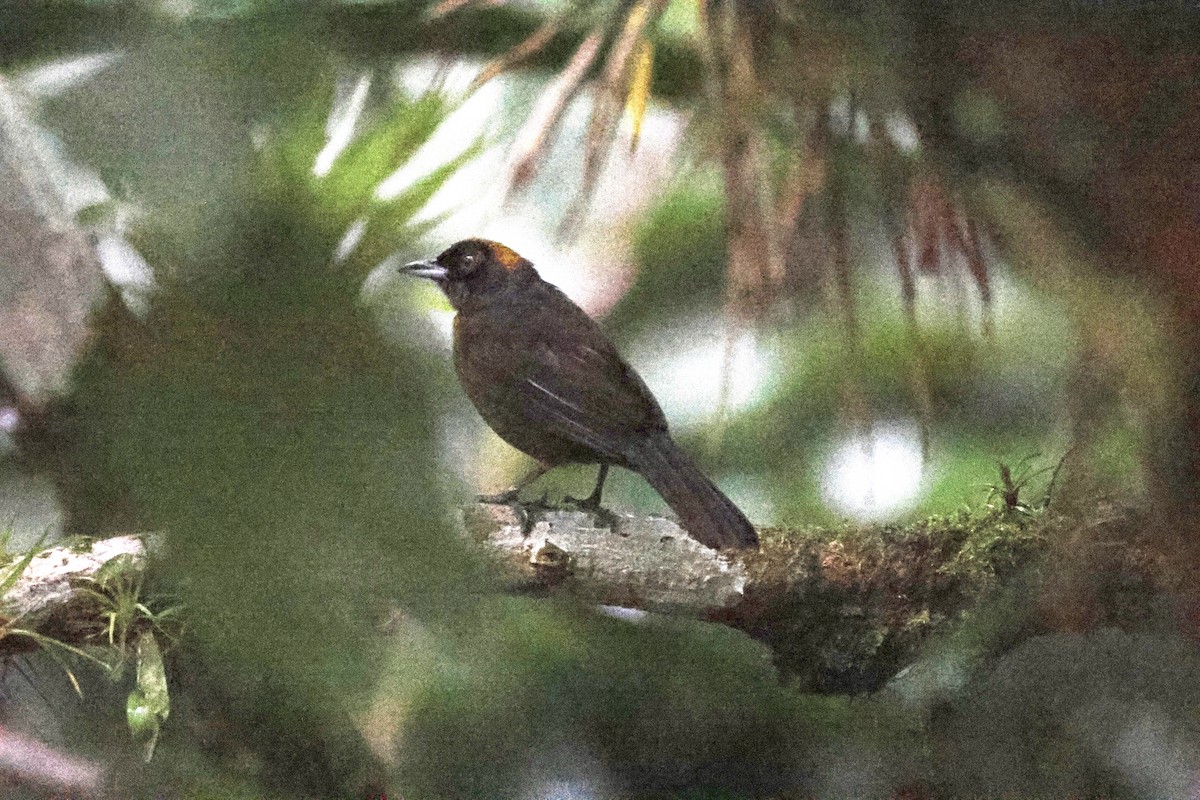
{"points": [[842, 609]]}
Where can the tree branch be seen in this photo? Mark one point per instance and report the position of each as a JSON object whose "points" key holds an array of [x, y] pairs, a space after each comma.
{"points": [[55, 597], [842, 608]]}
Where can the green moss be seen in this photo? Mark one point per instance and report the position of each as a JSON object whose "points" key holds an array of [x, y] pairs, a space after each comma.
{"points": [[850, 604]]}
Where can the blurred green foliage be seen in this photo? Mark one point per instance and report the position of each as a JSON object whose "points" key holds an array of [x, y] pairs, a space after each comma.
{"points": [[598, 701], [345, 196], [256, 414], [993, 399], [997, 398], [258, 417], [679, 247]]}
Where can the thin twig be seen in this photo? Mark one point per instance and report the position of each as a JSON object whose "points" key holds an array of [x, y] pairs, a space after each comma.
{"points": [[1054, 475], [609, 100], [919, 363], [531, 141], [973, 249], [532, 44]]}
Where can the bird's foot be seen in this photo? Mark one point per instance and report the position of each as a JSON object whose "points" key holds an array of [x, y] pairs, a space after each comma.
{"points": [[505, 498], [590, 503]]}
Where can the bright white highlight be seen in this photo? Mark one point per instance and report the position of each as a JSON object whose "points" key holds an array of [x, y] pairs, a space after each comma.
{"points": [[686, 370], [350, 240], [340, 128], [443, 323], [64, 74], [875, 476], [564, 790], [125, 268], [469, 121], [621, 612], [903, 133]]}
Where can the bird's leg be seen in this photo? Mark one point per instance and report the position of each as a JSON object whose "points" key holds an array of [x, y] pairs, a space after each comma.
{"points": [[510, 495], [592, 501]]}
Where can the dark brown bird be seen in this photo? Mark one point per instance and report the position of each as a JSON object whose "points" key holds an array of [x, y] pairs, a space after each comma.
{"points": [[546, 379]]}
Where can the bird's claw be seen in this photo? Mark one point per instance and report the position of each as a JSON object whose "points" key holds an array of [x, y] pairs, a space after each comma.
{"points": [[591, 503], [505, 498]]}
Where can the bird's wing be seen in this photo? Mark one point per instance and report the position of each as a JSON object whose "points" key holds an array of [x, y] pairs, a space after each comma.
{"points": [[547, 379], [581, 388]]}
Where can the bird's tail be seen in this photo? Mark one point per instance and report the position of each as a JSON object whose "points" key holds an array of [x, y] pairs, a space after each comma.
{"points": [[707, 514]]}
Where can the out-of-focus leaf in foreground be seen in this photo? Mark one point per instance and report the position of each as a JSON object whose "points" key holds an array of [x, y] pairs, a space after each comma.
{"points": [[261, 421], [50, 276], [342, 169], [149, 703]]}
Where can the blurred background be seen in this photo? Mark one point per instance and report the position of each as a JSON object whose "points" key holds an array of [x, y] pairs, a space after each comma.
{"points": [[878, 261]]}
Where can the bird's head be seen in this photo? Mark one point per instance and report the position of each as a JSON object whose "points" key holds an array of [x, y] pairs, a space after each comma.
{"points": [[473, 269]]}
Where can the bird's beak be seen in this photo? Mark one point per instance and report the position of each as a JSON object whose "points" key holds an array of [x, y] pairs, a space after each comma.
{"points": [[425, 269]]}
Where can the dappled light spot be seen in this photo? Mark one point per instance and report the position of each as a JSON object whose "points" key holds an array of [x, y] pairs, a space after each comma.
{"points": [[875, 476], [623, 613], [696, 371], [563, 790], [339, 129]]}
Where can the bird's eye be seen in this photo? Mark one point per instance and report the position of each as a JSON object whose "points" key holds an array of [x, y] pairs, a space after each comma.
{"points": [[468, 261]]}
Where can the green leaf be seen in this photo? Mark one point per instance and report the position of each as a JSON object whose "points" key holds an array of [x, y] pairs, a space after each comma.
{"points": [[142, 721], [389, 222], [11, 574], [378, 152], [117, 568], [291, 149], [148, 704]]}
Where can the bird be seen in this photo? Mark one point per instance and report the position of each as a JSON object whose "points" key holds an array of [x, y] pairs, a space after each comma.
{"points": [[547, 379]]}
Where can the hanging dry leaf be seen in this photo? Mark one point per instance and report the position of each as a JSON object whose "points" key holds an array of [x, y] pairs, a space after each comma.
{"points": [[639, 90], [531, 141], [532, 44], [610, 96]]}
